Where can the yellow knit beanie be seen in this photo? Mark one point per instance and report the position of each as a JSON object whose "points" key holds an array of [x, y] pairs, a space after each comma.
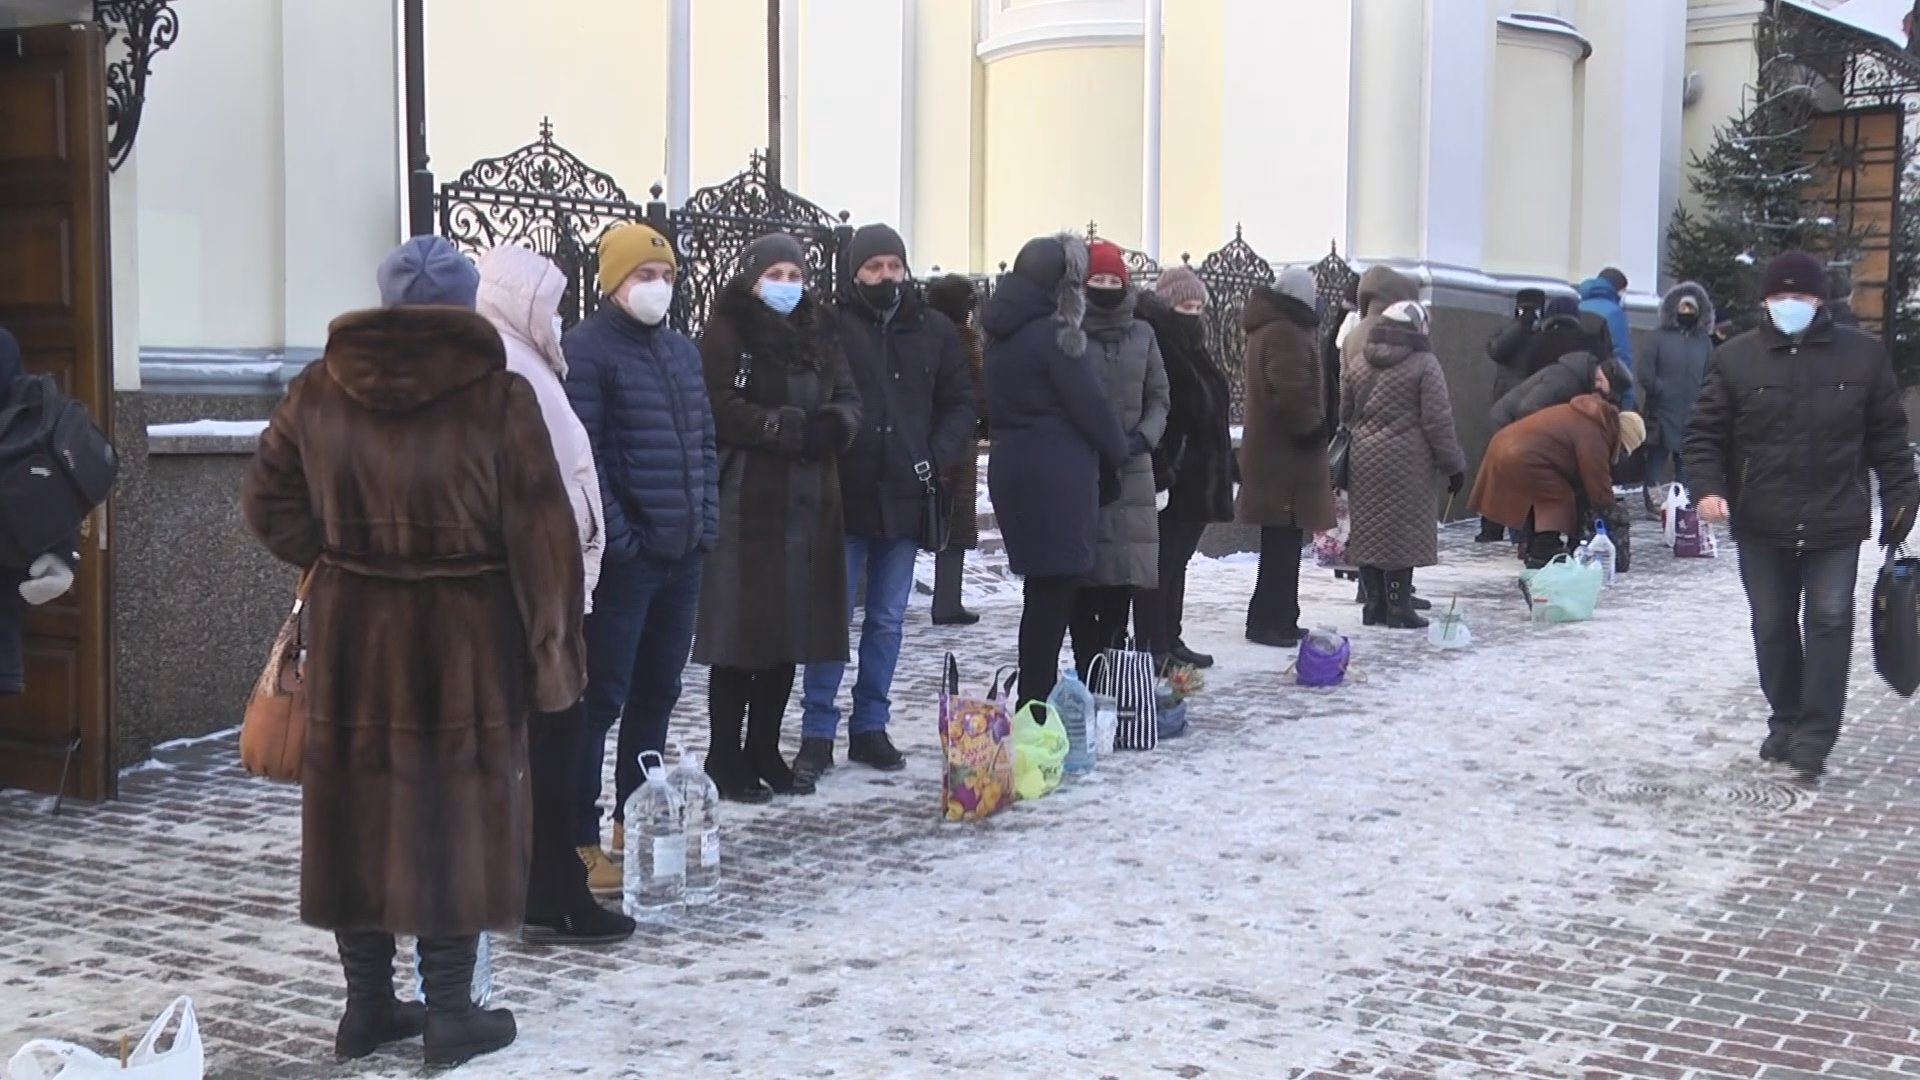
{"points": [[625, 248]]}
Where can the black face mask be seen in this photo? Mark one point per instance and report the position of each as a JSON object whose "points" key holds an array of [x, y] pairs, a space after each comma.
{"points": [[1105, 299], [881, 295], [1687, 319]]}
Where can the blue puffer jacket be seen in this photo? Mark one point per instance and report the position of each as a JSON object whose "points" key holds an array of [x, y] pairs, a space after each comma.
{"points": [[1600, 297], [640, 393]]}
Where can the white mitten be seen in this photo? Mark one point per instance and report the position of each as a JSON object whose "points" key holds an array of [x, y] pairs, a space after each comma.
{"points": [[48, 578]]}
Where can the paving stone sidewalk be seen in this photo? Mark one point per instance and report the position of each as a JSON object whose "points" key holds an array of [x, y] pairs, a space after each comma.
{"points": [[1551, 855]]}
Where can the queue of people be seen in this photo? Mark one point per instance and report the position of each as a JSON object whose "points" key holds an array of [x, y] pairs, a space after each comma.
{"points": [[516, 536]]}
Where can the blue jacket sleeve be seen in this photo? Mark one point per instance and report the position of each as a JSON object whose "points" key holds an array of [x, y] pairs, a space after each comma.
{"points": [[709, 451], [586, 391]]}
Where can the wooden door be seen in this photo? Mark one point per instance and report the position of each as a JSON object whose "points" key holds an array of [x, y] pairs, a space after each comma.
{"points": [[54, 274]]}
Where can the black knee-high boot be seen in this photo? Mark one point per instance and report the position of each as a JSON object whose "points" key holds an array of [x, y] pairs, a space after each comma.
{"points": [[1373, 594], [766, 712], [457, 1030], [374, 1017], [948, 569], [729, 691], [1400, 614]]}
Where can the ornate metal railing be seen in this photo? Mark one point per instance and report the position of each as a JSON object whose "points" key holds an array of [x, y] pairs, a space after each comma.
{"points": [[135, 31]]}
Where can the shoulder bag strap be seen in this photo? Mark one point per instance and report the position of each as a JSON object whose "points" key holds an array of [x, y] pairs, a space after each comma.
{"points": [[1360, 399], [922, 467]]}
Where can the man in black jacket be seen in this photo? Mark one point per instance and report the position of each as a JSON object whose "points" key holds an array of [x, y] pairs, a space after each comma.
{"points": [[916, 421], [1791, 417], [1507, 348]]}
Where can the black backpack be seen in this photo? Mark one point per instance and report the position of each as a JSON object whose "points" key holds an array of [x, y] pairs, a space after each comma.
{"points": [[55, 467]]}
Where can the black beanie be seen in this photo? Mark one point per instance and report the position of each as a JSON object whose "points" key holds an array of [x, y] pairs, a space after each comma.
{"points": [[1530, 298], [1043, 261], [769, 250], [951, 295], [1795, 272], [870, 241]]}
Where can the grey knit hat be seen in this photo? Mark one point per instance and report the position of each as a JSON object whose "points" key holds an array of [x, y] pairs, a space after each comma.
{"points": [[1180, 285], [768, 251], [1298, 282], [428, 270]]}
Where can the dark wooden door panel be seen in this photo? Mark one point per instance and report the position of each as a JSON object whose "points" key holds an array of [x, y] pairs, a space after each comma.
{"points": [[54, 297]]}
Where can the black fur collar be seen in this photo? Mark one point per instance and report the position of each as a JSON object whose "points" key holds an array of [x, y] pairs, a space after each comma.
{"points": [[794, 338]]}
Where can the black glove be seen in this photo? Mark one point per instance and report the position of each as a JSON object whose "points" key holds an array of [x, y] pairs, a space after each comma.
{"points": [[1109, 486], [1137, 445], [1456, 482], [1895, 527], [822, 436]]}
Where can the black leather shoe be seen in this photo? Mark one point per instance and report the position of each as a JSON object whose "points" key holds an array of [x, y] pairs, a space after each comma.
{"points": [[1774, 749], [962, 617], [1278, 639], [588, 926], [1193, 659], [875, 750], [814, 760]]}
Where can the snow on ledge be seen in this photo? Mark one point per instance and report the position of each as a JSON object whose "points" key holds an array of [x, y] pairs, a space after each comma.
{"points": [[208, 429]]}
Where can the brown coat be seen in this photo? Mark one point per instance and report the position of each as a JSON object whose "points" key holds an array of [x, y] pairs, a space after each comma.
{"points": [[1283, 446], [1403, 444], [1380, 288], [774, 592], [963, 480], [417, 472], [1544, 463]]}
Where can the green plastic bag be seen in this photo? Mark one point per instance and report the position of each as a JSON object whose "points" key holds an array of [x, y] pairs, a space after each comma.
{"points": [[1039, 750], [1563, 591]]}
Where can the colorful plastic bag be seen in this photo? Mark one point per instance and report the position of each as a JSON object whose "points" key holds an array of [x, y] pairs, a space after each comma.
{"points": [[1563, 591], [1330, 545], [1039, 751], [1323, 659], [51, 1059], [976, 740], [1670, 509], [1692, 538], [1128, 677]]}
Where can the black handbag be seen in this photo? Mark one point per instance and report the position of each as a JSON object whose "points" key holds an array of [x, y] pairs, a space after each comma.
{"points": [[1896, 622], [1340, 447], [936, 503]]}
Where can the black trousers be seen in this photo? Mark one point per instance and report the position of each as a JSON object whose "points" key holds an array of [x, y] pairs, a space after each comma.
{"points": [[1802, 605], [1157, 613], [753, 698], [1100, 617], [1045, 611], [556, 879], [1275, 605]]}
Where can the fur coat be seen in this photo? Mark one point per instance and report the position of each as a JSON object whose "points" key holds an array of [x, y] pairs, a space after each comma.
{"points": [[415, 473], [1396, 403], [1547, 463], [1127, 536], [1194, 461], [774, 592], [1283, 447]]}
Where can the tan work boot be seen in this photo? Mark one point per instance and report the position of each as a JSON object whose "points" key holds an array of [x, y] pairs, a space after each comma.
{"points": [[603, 875]]}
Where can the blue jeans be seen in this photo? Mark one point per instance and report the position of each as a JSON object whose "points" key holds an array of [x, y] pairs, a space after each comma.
{"points": [[639, 636], [1804, 661], [888, 565]]}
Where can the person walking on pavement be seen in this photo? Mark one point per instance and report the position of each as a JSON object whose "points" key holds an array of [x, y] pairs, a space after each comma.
{"points": [[1791, 418], [1284, 486], [1672, 368], [916, 424], [413, 477], [1057, 444], [1507, 348], [520, 295], [1194, 463], [636, 384], [1126, 549], [775, 591], [1397, 406], [953, 296]]}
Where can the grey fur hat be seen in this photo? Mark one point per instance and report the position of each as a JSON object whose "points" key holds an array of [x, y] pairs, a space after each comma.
{"points": [[1059, 262], [1298, 282], [428, 270]]}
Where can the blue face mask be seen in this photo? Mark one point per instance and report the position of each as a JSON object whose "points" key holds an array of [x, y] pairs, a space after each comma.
{"points": [[781, 296], [1791, 315]]}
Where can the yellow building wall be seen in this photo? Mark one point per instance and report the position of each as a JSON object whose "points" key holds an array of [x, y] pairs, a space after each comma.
{"points": [[1063, 146], [946, 142], [729, 86], [1192, 100], [1389, 70], [1728, 66], [597, 68]]}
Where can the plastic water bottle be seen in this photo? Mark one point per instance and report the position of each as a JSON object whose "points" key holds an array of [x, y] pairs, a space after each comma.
{"points": [[701, 798], [1603, 552], [482, 970], [656, 865], [1073, 703]]}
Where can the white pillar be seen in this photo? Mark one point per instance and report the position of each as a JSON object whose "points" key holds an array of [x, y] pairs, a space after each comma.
{"points": [[679, 102], [1532, 148], [1453, 160], [1154, 49]]}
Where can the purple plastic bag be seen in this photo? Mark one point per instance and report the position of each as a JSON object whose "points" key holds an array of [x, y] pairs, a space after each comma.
{"points": [[1324, 656]]}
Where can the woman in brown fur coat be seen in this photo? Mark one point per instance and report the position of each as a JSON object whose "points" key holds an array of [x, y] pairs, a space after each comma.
{"points": [[413, 474]]}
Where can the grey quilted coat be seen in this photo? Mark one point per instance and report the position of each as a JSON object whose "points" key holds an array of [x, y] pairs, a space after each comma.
{"points": [[1403, 446], [1126, 547]]}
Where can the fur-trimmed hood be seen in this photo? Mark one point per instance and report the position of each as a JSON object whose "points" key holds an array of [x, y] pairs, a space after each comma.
{"points": [[402, 358], [1382, 287], [1019, 299], [1670, 307], [1267, 303]]}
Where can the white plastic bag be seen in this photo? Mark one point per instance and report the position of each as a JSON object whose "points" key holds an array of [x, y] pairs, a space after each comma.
{"points": [[51, 1059], [1676, 501]]}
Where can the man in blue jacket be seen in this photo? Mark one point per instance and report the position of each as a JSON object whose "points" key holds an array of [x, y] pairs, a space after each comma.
{"points": [[637, 386], [1602, 295]]}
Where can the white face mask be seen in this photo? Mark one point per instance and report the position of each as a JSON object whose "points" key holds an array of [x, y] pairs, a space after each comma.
{"points": [[559, 328], [648, 301]]}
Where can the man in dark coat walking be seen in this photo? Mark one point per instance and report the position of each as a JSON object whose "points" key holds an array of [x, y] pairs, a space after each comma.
{"points": [[916, 422], [46, 579], [1507, 348], [1792, 416]]}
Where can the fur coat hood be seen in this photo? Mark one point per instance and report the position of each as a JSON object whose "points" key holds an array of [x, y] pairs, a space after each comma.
{"points": [[1670, 308], [400, 359], [1382, 287]]}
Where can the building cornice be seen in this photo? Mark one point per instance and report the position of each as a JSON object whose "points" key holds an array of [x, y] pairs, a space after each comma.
{"points": [[1535, 30], [1006, 30], [1724, 15]]}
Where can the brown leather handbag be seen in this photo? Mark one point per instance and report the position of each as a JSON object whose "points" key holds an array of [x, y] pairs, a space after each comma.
{"points": [[274, 731]]}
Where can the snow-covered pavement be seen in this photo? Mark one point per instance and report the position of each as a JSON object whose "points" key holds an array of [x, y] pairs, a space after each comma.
{"points": [[1551, 855]]}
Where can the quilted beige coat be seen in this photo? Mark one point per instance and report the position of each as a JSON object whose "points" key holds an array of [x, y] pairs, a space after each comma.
{"points": [[1404, 446]]}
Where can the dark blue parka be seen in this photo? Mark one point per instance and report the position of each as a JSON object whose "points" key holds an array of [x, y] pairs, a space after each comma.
{"points": [[640, 394]]}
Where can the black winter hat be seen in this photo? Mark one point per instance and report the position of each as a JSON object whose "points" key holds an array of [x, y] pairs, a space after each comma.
{"points": [[768, 251], [1613, 276], [1795, 272], [951, 295], [870, 241], [1043, 261], [1530, 298]]}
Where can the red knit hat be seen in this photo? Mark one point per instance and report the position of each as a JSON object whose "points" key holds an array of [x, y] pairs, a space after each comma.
{"points": [[1104, 257]]}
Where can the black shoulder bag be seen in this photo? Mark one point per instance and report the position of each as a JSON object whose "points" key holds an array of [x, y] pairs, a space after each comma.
{"points": [[936, 505], [742, 378], [1340, 447]]}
